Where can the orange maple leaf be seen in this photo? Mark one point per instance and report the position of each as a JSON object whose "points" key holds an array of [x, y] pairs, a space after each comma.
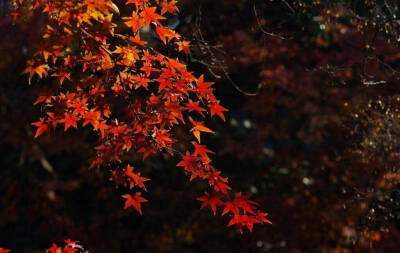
{"points": [[137, 40], [70, 120], [169, 7], [198, 127], [149, 15], [134, 21], [183, 46], [165, 33], [62, 75], [137, 3], [40, 70], [42, 127]]}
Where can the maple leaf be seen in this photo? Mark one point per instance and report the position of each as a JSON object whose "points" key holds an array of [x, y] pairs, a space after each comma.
{"points": [[135, 22], [194, 106], [79, 105], [164, 33], [100, 125], [201, 150], [70, 120], [162, 137], [141, 82], [69, 241], [134, 201], [188, 163], [169, 7], [218, 182], [136, 179], [213, 200], [137, 3], [42, 127], [149, 15], [203, 86], [147, 150], [243, 220], [118, 176], [184, 46], [137, 40], [40, 70], [230, 207], [261, 217], [62, 75], [117, 88], [198, 127], [46, 53], [236, 219], [244, 203], [53, 249], [72, 246], [218, 110], [163, 84], [176, 64], [91, 117]]}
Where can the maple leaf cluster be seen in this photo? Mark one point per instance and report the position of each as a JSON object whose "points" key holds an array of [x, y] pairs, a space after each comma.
{"points": [[132, 96], [69, 247]]}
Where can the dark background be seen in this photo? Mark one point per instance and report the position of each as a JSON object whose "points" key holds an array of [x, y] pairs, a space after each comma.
{"points": [[317, 146]]}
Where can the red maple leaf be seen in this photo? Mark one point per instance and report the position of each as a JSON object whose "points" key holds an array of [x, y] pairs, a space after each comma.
{"points": [[135, 178], [201, 150], [134, 201], [217, 109], [203, 86], [230, 207], [261, 217], [244, 203], [194, 106], [218, 182], [213, 200], [188, 163], [243, 220], [53, 248]]}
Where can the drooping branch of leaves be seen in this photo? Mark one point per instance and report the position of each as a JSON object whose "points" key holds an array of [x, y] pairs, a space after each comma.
{"points": [[105, 77]]}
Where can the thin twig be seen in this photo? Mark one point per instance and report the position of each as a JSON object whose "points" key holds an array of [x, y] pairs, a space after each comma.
{"points": [[260, 26], [218, 62], [289, 6]]}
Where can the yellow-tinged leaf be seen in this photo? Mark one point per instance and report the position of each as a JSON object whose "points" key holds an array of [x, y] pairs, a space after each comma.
{"points": [[40, 70]]}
